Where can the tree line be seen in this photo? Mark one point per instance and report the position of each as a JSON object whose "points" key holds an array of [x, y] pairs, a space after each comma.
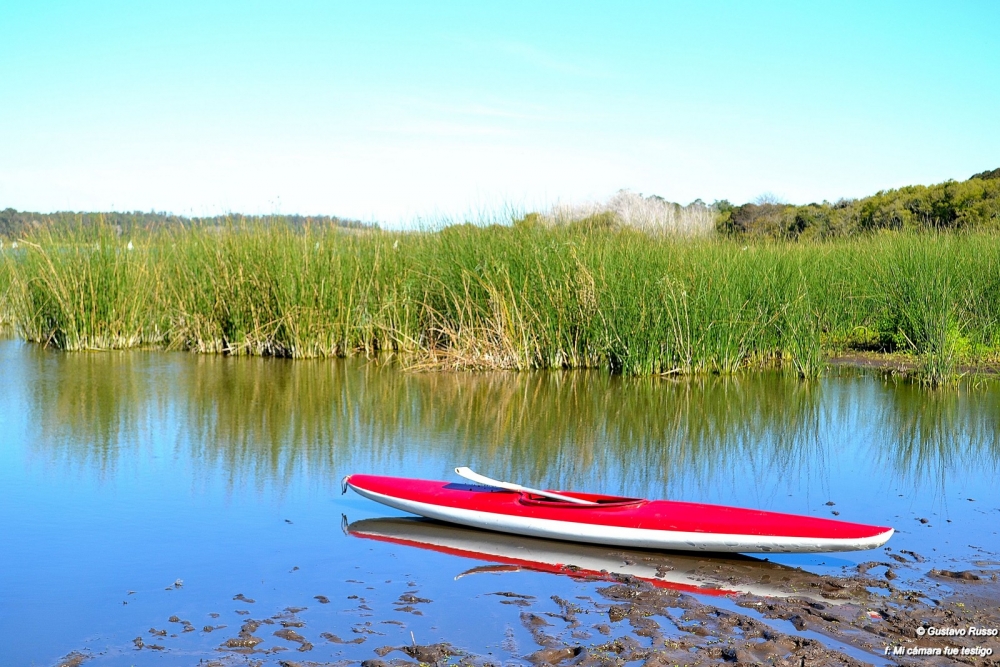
{"points": [[15, 224], [952, 205]]}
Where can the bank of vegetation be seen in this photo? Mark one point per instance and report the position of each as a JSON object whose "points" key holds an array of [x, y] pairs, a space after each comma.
{"points": [[524, 296], [913, 272]]}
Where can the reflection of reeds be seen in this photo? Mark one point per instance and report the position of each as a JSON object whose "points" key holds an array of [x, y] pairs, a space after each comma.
{"points": [[522, 297], [271, 419], [275, 422], [560, 429], [89, 408], [931, 434]]}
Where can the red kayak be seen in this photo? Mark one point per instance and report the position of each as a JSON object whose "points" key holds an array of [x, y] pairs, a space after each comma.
{"points": [[615, 520]]}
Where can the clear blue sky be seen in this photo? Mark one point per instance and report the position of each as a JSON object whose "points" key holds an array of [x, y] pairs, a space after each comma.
{"points": [[394, 111]]}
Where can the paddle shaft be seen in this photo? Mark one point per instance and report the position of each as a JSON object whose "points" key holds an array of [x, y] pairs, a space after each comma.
{"points": [[486, 481]]}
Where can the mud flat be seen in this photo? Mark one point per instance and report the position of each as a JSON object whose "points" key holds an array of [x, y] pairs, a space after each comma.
{"points": [[890, 610]]}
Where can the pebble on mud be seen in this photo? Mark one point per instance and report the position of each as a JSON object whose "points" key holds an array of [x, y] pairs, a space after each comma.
{"points": [[334, 639], [292, 636], [553, 656], [509, 594], [431, 653], [406, 598], [964, 575], [409, 609], [242, 642], [798, 622], [617, 613]]}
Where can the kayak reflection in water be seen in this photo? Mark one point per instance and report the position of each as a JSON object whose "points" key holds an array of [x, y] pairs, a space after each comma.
{"points": [[716, 575]]}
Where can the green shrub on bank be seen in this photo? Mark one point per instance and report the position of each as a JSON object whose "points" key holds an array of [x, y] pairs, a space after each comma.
{"points": [[966, 205]]}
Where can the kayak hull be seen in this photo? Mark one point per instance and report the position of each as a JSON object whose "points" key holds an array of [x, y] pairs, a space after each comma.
{"points": [[622, 522]]}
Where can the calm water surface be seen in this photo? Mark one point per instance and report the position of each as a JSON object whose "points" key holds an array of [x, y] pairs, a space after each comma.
{"points": [[122, 473]]}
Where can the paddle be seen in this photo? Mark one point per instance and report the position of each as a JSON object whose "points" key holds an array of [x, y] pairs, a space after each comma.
{"points": [[486, 481]]}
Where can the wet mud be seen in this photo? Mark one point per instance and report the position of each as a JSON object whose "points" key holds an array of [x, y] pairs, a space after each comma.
{"points": [[866, 616], [902, 364]]}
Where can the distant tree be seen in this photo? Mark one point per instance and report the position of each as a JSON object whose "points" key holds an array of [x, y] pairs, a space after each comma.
{"points": [[768, 198], [14, 223], [761, 219], [951, 205], [987, 175], [9, 222], [724, 217]]}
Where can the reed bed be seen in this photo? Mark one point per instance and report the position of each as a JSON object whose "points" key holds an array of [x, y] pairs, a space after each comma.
{"points": [[514, 297], [6, 316]]}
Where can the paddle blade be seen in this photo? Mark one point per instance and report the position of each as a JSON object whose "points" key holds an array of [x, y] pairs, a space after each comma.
{"points": [[472, 476]]}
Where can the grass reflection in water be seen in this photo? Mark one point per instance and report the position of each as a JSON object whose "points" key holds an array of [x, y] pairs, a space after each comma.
{"points": [[278, 422]]}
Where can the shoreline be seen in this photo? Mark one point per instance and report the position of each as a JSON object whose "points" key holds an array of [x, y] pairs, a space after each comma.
{"points": [[886, 611], [903, 366]]}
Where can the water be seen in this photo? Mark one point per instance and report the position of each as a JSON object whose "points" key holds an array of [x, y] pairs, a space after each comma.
{"points": [[124, 472]]}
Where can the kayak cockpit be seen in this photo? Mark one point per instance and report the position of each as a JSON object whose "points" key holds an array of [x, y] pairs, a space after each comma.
{"points": [[599, 502]]}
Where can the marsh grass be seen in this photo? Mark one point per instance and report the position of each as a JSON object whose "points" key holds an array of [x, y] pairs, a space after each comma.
{"points": [[514, 297], [6, 316], [80, 291]]}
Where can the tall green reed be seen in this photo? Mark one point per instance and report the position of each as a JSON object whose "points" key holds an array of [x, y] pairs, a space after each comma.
{"points": [[6, 314], [87, 289], [934, 295], [515, 297]]}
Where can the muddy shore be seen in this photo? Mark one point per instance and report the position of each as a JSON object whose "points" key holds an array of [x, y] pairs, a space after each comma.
{"points": [[889, 610], [901, 365]]}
